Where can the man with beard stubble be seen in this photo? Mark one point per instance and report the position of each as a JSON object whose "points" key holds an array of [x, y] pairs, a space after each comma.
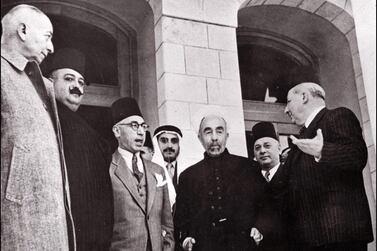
{"points": [[220, 199]]}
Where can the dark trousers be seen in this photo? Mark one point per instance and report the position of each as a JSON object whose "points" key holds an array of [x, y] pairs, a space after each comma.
{"points": [[342, 246]]}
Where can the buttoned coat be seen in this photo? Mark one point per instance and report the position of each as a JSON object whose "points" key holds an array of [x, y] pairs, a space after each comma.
{"points": [[242, 203], [33, 215], [133, 225], [327, 199]]}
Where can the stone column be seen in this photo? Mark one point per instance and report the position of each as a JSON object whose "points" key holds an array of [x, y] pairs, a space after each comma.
{"points": [[197, 69], [364, 13]]}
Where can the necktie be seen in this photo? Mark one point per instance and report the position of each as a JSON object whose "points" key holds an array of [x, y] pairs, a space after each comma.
{"points": [[170, 168], [267, 176], [137, 173]]}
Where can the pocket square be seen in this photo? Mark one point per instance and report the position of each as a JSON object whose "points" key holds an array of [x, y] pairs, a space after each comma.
{"points": [[160, 180]]}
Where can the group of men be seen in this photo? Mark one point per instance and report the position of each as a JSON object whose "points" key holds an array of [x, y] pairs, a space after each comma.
{"points": [[63, 189]]}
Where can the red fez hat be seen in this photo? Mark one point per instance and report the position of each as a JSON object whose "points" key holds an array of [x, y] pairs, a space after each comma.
{"points": [[124, 108], [67, 58], [263, 129]]}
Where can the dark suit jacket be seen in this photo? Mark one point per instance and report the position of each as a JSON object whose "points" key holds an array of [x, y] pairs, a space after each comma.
{"points": [[327, 199], [133, 225], [277, 191], [240, 197]]}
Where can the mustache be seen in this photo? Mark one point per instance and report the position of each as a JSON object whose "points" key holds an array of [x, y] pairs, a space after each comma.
{"points": [[214, 144], [75, 90], [169, 149]]}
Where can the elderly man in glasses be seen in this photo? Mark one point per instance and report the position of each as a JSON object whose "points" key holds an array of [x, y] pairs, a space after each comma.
{"points": [[142, 214]]}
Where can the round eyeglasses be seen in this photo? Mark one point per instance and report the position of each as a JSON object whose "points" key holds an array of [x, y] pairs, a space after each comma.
{"points": [[135, 126]]}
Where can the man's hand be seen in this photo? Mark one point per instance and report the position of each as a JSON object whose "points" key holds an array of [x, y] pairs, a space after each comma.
{"points": [[310, 146], [188, 243], [256, 235]]}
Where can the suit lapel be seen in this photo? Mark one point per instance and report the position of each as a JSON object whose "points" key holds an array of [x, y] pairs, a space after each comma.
{"points": [[124, 175], [151, 186], [311, 131]]}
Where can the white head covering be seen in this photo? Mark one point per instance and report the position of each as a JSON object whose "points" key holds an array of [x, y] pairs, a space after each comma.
{"points": [[159, 160]]}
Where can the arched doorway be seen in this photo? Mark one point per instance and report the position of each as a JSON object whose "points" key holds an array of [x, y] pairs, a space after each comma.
{"points": [[113, 46], [281, 38]]}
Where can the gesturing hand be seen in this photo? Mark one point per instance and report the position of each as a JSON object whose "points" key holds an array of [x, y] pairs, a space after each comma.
{"points": [[256, 235], [188, 243], [310, 146]]}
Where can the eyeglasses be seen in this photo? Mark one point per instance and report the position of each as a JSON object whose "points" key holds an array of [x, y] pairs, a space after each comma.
{"points": [[135, 126]]}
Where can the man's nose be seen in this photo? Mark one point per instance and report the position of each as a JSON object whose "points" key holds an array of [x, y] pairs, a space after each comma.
{"points": [[50, 47], [80, 86], [140, 130], [214, 137], [286, 110]]}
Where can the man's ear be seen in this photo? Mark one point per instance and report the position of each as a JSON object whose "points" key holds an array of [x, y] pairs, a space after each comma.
{"points": [[116, 131], [21, 31]]}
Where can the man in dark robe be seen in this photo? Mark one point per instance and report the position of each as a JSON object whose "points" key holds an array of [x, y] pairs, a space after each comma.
{"points": [[220, 199], [87, 156]]}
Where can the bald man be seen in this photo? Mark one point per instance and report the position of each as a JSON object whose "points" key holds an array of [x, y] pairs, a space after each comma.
{"points": [[327, 200], [34, 191]]}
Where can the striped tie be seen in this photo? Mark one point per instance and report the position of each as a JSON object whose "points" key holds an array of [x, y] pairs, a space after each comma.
{"points": [[135, 169]]}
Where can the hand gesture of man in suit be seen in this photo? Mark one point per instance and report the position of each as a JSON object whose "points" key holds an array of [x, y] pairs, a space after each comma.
{"points": [[328, 204]]}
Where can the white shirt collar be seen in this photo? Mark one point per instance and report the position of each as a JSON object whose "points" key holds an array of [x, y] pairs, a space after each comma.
{"points": [[272, 171], [312, 115], [174, 163], [127, 156]]}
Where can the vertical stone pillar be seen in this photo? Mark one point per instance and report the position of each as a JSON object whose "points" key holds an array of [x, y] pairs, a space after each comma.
{"points": [[364, 13], [197, 69]]}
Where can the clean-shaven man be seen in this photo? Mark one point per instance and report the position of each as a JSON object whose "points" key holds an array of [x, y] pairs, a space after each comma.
{"points": [[142, 211]]}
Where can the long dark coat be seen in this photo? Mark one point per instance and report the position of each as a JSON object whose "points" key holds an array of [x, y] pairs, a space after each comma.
{"points": [[219, 200], [88, 158], [328, 203]]}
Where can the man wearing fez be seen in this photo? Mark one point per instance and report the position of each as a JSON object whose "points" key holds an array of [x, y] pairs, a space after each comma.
{"points": [[327, 200], [147, 151], [168, 138], [266, 149], [220, 198], [142, 215], [34, 190], [87, 155]]}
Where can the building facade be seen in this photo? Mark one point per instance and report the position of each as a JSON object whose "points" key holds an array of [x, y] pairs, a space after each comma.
{"points": [[181, 57]]}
